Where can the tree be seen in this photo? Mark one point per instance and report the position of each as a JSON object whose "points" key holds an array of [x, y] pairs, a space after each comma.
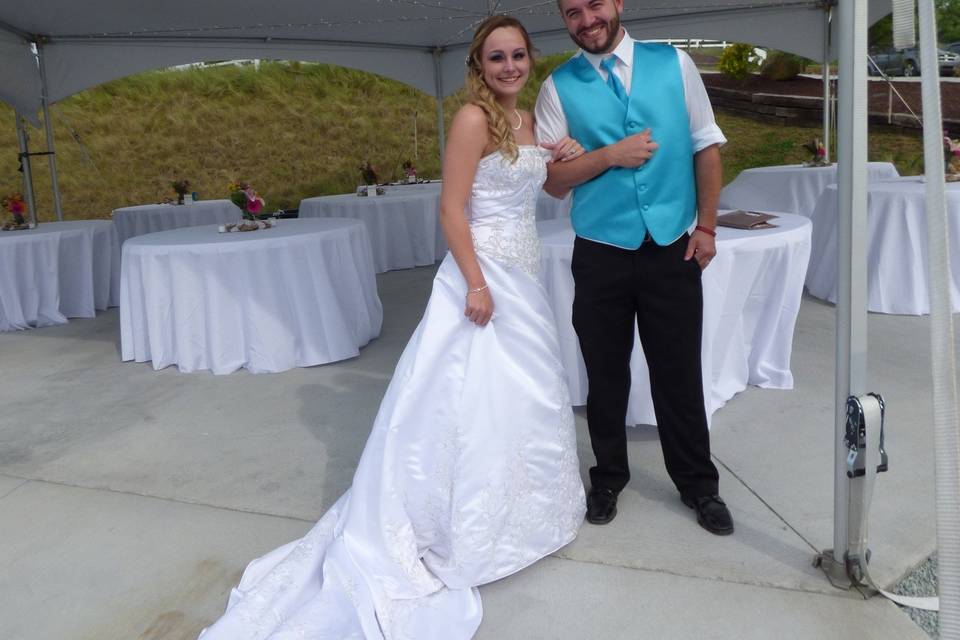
{"points": [[948, 20], [948, 25]]}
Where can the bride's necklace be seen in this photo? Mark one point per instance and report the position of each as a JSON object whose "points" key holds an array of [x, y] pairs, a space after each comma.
{"points": [[519, 120]]}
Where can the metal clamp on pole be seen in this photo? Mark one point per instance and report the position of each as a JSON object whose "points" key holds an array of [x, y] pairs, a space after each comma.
{"points": [[856, 438], [864, 460], [864, 441]]}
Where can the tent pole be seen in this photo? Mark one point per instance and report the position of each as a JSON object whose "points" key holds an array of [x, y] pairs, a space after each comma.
{"points": [[25, 164], [946, 426], [48, 127], [438, 84], [825, 72], [851, 339]]}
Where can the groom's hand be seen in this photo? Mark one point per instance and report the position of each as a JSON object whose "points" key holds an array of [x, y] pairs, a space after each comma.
{"points": [[702, 247], [632, 151]]}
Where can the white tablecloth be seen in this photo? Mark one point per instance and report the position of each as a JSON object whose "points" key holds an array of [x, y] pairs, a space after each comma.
{"points": [[792, 188], [896, 246], [404, 223], [550, 208], [300, 294], [150, 218], [57, 271], [752, 293]]}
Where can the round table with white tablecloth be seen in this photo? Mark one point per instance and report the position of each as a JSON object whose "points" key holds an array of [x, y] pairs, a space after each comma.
{"points": [[150, 218], [896, 246], [550, 208], [56, 271], [403, 223], [300, 294], [792, 188], [751, 293]]}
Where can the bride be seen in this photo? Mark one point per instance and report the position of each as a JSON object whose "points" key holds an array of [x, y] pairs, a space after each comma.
{"points": [[470, 472]]}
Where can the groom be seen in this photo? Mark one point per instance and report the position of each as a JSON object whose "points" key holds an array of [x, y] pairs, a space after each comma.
{"points": [[651, 175]]}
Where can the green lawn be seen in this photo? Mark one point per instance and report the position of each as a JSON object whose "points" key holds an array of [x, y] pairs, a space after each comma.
{"points": [[292, 130]]}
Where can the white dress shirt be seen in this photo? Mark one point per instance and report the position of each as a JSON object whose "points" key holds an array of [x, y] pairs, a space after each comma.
{"points": [[552, 125]]}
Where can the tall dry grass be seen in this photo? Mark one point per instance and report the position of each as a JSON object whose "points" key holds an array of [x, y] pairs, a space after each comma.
{"points": [[292, 130]]}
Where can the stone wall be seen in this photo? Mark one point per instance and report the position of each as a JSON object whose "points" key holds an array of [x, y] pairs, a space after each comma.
{"points": [[803, 111]]}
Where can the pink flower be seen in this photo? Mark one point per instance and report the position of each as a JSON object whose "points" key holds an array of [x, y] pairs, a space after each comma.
{"points": [[16, 207], [255, 204]]}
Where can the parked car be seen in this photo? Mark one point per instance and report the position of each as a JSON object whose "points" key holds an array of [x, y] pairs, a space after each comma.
{"points": [[907, 62]]}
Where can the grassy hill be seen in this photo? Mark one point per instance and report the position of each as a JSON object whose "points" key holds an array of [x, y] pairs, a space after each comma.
{"points": [[292, 130]]}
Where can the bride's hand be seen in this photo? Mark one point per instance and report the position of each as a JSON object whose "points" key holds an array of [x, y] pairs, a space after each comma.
{"points": [[479, 306], [564, 149]]}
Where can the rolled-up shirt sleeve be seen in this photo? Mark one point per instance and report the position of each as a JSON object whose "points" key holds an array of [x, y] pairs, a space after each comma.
{"points": [[703, 127], [551, 120]]}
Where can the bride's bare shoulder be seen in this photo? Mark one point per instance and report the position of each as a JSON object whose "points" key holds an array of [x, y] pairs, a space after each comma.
{"points": [[470, 116]]}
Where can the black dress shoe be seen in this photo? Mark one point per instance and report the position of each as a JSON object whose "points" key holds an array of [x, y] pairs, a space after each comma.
{"points": [[601, 505], [712, 514]]}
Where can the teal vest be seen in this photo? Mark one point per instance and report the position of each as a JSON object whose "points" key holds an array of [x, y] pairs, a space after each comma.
{"points": [[621, 205]]}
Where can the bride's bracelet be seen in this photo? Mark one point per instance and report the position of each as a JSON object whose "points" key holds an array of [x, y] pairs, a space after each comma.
{"points": [[477, 290]]}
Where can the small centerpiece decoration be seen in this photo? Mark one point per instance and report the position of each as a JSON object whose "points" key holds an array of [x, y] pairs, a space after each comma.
{"points": [[15, 205], [368, 174], [252, 206], [247, 199], [410, 171], [181, 188], [951, 158], [818, 154]]}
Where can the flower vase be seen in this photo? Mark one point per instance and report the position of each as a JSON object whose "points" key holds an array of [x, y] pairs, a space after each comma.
{"points": [[179, 198]]}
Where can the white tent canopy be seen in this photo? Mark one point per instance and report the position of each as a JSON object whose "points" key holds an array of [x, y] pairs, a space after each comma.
{"points": [[419, 42], [423, 43]]}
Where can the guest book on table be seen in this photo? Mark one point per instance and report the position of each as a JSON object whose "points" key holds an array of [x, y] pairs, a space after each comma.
{"points": [[741, 219]]}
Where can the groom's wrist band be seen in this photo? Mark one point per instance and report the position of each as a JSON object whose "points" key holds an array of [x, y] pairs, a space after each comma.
{"points": [[706, 230]]}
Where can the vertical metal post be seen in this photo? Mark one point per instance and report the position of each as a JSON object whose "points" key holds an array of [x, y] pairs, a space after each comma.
{"points": [[851, 364], [438, 82], [48, 127], [825, 72], [25, 163]]}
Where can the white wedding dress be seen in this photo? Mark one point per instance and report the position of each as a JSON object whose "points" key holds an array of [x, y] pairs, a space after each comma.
{"points": [[470, 472]]}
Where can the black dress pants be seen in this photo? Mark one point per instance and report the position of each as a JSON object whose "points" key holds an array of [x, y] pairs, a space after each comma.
{"points": [[653, 288]]}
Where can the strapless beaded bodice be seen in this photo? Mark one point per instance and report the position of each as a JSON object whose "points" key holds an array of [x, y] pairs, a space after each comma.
{"points": [[502, 207]]}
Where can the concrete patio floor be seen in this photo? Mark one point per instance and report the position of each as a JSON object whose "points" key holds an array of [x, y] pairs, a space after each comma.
{"points": [[132, 499]]}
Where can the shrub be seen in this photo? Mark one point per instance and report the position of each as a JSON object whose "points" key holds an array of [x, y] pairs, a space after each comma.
{"points": [[736, 61], [780, 65]]}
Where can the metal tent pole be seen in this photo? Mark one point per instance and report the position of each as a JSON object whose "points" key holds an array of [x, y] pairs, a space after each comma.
{"points": [[25, 164], [48, 126], [851, 356], [438, 83], [825, 72]]}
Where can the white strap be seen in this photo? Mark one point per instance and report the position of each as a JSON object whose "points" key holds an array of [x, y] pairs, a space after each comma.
{"points": [[873, 417]]}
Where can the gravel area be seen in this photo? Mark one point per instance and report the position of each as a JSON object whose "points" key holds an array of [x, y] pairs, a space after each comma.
{"points": [[922, 582]]}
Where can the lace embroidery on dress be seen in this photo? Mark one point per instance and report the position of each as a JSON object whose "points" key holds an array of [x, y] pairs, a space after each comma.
{"points": [[509, 236]]}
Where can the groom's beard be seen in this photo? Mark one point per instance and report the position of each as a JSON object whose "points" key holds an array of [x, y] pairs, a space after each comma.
{"points": [[613, 30]]}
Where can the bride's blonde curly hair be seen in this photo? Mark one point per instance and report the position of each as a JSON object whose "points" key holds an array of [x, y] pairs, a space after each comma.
{"points": [[479, 92]]}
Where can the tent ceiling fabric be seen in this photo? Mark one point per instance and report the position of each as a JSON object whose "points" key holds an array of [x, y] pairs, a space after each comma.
{"points": [[88, 43]]}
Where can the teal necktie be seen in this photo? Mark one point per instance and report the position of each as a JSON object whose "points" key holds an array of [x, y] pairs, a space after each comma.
{"points": [[612, 80]]}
